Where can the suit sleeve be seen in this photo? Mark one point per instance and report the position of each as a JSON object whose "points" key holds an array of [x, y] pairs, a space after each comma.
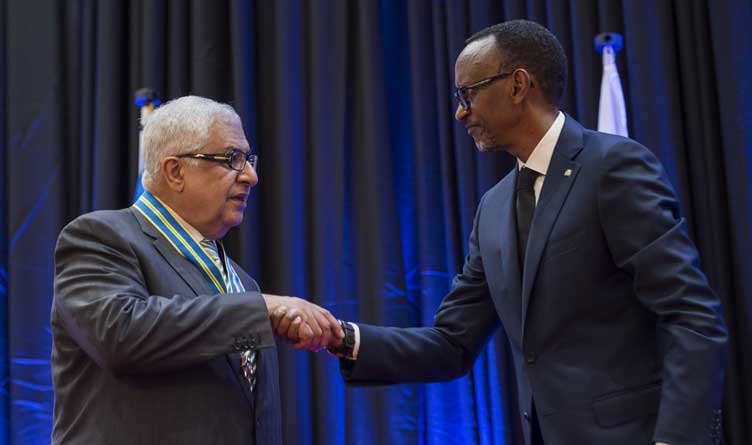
{"points": [[648, 239], [104, 306], [464, 322]]}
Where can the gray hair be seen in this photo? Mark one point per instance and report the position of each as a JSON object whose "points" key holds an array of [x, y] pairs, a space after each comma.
{"points": [[180, 126]]}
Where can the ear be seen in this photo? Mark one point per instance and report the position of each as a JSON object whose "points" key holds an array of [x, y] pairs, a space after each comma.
{"points": [[521, 83], [173, 173]]}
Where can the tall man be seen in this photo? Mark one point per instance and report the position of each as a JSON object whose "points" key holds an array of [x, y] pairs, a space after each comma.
{"points": [[158, 337], [581, 255]]}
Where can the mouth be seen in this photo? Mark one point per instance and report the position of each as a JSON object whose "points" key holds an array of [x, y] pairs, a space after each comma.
{"points": [[240, 198], [470, 128]]}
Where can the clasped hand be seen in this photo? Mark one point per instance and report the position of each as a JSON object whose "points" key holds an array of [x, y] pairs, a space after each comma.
{"points": [[303, 323]]}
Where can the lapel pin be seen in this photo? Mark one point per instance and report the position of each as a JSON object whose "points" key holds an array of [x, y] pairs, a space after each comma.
{"points": [[568, 172]]}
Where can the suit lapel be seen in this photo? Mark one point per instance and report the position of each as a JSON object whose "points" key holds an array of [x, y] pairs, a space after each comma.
{"points": [[196, 281], [509, 256], [185, 269], [561, 174]]}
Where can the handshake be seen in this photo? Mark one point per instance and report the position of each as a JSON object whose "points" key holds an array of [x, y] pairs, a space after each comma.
{"points": [[304, 324]]}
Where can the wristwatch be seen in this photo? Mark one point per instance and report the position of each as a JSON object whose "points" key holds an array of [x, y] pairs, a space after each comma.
{"points": [[348, 343]]}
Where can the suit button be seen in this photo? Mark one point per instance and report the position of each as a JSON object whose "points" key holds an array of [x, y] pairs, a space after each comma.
{"points": [[530, 358], [526, 415]]}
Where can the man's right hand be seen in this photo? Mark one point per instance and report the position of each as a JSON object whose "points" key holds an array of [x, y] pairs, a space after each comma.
{"points": [[301, 322]]}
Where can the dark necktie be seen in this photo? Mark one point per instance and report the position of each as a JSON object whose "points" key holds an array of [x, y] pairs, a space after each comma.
{"points": [[525, 209]]}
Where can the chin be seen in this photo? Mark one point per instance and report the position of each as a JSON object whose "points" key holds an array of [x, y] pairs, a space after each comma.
{"points": [[235, 220], [486, 147], [232, 220], [481, 147]]}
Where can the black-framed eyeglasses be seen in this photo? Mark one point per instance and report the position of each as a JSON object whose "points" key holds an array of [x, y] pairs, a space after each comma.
{"points": [[463, 93], [234, 158]]}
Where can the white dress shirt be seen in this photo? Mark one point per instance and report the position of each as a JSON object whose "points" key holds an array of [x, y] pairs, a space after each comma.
{"points": [[198, 238], [540, 158]]}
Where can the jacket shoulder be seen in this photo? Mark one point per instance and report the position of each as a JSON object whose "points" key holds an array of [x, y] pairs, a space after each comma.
{"points": [[499, 186], [604, 143], [101, 222], [108, 217]]}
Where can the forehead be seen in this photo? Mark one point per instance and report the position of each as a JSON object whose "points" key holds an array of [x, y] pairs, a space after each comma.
{"points": [[477, 60], [227, 134]]}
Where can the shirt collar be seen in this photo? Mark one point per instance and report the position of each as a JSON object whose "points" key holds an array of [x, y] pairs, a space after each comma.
{"points": [[541, 155], [192, 231]]}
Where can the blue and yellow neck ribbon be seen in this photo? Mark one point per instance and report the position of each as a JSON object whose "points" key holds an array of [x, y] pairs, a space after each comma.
{"points": [[157, 214], [233, 280]]}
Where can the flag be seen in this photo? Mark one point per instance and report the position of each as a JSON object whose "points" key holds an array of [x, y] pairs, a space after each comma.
{"points": [[146, 100], [139, 183], [612, 113]]}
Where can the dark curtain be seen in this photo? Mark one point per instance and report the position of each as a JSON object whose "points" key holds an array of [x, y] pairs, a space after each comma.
{"points": [[368, 187]]}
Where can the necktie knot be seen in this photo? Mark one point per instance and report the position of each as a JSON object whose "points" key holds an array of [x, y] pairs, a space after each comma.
{"points": [[526, 178], [211, 249], [209, 245]]}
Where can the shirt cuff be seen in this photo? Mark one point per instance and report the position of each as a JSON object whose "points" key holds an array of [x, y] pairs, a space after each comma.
{"points": [[356, 347]]}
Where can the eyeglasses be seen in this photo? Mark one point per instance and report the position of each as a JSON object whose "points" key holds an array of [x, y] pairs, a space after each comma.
{"points": [[463, 93], [234, 158]]}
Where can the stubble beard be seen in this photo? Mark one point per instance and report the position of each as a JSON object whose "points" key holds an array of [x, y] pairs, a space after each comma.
{"points": [[487, 143]]}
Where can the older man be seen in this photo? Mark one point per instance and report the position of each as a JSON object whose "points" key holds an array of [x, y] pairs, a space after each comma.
{"points": [[581, 255], [158, 337]]}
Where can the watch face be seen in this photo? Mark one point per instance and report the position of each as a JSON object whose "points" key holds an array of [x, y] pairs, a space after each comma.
{"points": [[349, 340]]}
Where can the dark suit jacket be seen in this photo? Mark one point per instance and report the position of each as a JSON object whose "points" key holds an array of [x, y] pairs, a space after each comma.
{"points": [[613, 327], [144, 353]]}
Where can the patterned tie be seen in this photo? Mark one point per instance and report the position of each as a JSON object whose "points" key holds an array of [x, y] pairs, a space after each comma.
{"points": [[211, 249], [247, 358]]}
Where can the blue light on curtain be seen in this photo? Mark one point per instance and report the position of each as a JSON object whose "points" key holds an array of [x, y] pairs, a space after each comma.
{"points": [[368, 187]]}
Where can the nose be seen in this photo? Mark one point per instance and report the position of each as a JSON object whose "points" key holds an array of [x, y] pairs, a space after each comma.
{"points": [[461, 113], [248, 175]]}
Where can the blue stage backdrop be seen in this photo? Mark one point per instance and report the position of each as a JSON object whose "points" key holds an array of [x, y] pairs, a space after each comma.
{"points": [[367, 186]]}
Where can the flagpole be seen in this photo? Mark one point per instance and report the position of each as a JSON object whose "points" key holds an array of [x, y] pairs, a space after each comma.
{"points": [[612, 111], [147, 100]]}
